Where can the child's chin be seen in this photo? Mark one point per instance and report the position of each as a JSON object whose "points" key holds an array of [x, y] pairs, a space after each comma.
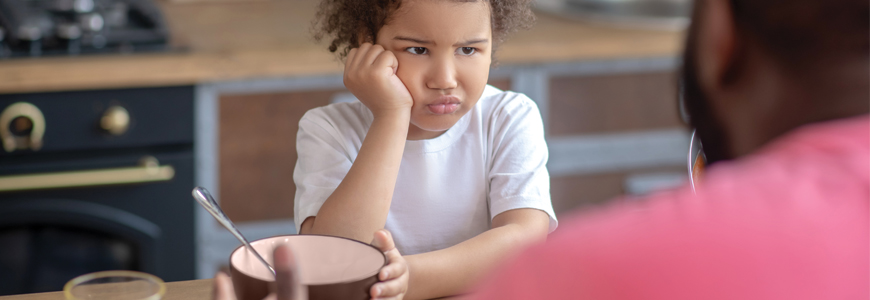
{"points": [[436, 125]]}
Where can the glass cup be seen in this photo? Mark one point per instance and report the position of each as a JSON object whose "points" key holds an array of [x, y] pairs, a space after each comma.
{"points": [[120, 285]]}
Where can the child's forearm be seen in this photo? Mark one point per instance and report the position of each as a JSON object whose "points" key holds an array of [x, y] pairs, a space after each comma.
{"points": [[360, 204], [453, 270]]}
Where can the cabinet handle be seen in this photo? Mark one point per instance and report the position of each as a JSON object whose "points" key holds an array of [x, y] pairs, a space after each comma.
{"points": [[149, 170]]}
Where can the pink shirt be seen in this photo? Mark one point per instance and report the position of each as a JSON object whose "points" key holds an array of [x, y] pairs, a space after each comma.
{"points": [[791, 221]]}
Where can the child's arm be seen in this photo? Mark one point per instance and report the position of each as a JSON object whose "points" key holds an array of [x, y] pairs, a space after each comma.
{"points": [[450, 271], [359, 205]]}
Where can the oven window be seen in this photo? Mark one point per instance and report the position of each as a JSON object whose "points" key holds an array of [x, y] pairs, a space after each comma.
{"points": [[43, 258]]}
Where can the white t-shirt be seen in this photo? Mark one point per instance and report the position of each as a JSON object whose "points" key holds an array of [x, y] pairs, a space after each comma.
{"points": [[449, 188]]}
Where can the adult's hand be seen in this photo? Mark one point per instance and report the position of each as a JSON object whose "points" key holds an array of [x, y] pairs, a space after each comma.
{"points": [[287, 283], [394, 276], [223, 287]]}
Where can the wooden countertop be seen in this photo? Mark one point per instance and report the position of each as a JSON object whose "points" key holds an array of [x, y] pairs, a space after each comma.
{"points": [[179, 290], [265, 39]]}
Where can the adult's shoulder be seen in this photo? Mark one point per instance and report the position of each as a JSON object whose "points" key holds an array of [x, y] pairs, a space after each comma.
{"points": [[676, 245]]}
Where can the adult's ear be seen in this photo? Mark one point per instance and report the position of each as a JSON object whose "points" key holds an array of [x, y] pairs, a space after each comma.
{"points": [[717, 42]]}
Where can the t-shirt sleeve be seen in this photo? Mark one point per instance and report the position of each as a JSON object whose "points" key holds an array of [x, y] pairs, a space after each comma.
{"points": [[518, 175], [322, 163]]}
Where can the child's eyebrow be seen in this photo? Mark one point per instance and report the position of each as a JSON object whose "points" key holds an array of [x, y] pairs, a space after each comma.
{"points": [[425, 42], [410, 39], [471, 42]]}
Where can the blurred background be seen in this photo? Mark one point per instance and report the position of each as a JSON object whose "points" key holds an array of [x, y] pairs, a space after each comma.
{"points": [[111, 111]]}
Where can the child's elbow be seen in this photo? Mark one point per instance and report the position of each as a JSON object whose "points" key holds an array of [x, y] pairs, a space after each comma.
{"points": [[526, 225]]}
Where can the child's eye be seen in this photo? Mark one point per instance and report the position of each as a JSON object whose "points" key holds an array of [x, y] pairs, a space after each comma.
{"points": [[417, 50], [467, 50]]}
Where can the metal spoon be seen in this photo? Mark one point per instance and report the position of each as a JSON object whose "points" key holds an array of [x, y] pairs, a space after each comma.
{"points": [[207, 201]]}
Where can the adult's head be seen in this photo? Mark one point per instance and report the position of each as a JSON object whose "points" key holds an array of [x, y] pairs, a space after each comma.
{"points": [[755, 69]]}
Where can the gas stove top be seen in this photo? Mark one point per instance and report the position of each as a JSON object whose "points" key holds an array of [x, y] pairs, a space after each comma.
{"points": [[33, 28]]}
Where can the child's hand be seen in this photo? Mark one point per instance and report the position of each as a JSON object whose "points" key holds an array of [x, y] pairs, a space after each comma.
{"points": [[393, 276], [370, 74]]}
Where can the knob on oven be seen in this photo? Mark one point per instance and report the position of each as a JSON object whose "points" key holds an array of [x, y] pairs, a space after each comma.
{"points": [[22, 126], [116, 120]]}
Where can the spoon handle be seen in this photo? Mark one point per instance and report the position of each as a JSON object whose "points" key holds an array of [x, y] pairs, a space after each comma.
{"points": [[207, 201]]}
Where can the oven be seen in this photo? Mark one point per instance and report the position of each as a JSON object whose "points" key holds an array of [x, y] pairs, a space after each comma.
{"points": [[95, 180]]}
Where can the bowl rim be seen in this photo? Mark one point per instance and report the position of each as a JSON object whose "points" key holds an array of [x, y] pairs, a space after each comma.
{"points": [[317, 235]]}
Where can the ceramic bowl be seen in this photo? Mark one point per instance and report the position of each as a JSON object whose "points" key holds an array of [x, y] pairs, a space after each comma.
{"points": [[329, 267]]}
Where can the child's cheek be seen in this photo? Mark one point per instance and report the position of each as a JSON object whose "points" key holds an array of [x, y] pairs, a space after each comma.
{"points": [[410, 74]]}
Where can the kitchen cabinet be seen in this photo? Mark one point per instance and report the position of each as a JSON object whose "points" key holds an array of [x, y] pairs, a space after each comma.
{"points": [[258, 151], [612, 103], [598, 105]]}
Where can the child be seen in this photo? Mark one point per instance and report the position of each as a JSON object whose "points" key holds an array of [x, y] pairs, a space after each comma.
{"points": [[453, 168]]}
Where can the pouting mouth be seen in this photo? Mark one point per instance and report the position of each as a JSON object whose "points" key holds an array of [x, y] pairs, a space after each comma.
{"points": [[445, 100], [443, 109]]}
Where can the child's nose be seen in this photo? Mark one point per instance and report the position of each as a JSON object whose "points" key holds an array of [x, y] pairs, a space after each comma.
{"points": [[442, 76]]}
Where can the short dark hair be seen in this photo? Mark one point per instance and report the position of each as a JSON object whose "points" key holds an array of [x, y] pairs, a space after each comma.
{"points": [[806, 31], [345, 20]]}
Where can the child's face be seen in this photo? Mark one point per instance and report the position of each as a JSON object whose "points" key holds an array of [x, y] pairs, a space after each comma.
{"points": [[444, 52]]}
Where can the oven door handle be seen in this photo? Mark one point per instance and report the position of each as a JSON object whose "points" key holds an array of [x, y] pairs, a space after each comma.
{"points": [[149, 170]]}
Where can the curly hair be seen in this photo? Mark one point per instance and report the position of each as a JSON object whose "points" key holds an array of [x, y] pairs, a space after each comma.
{"points": [[347, 22]]}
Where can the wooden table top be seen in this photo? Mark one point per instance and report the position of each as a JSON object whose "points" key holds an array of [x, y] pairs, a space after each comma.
{"points": [[271, 38], [179, 290]]}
